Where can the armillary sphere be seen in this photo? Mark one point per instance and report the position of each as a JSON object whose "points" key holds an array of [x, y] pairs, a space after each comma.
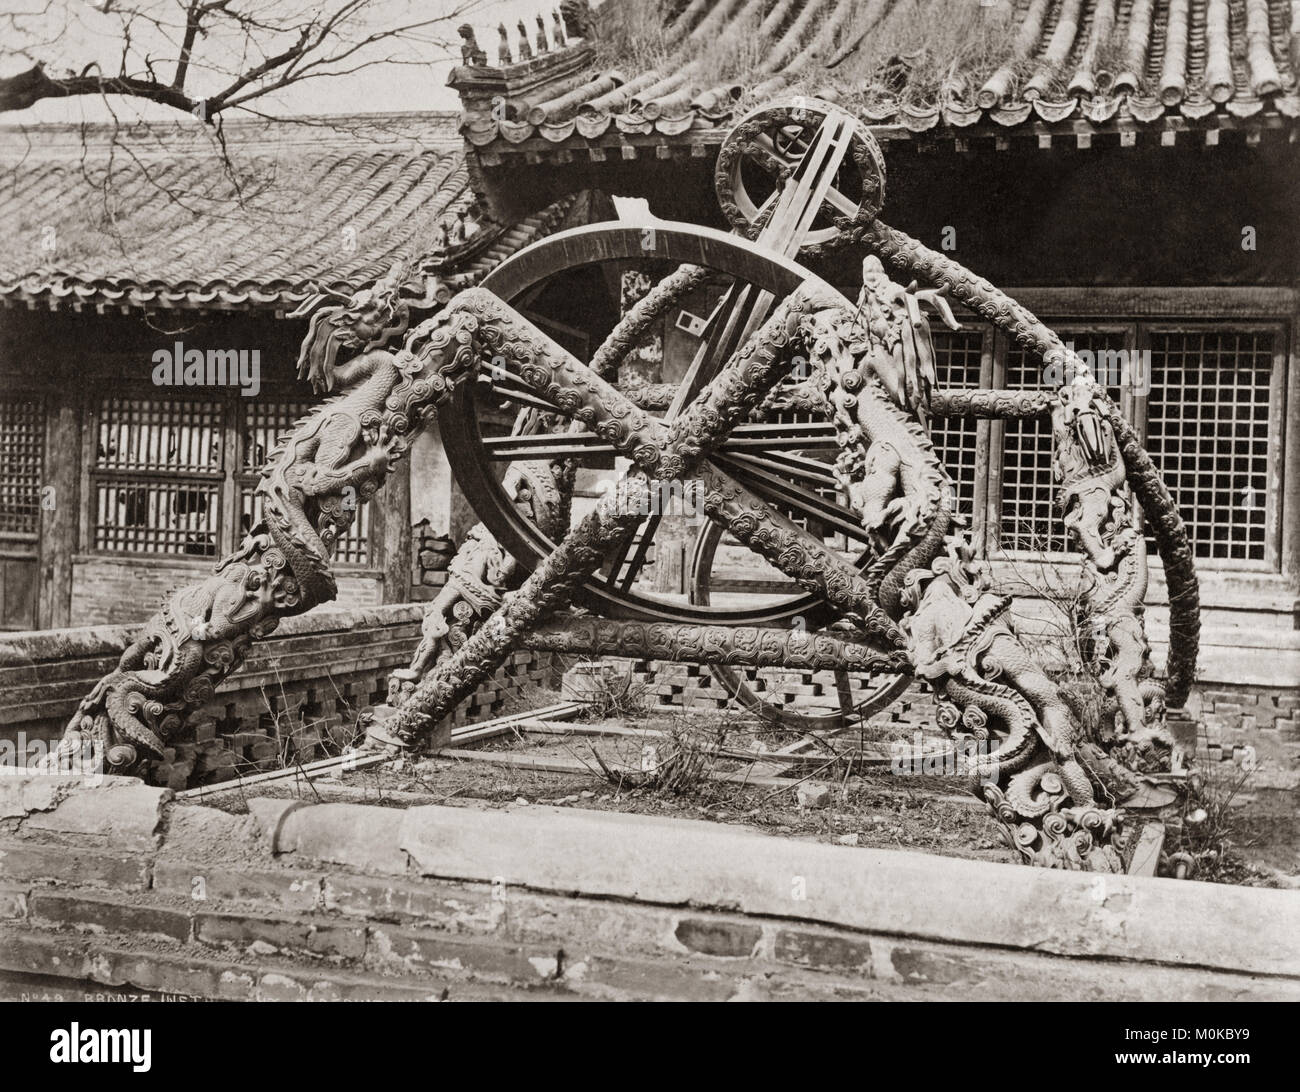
{"points": [[777, 460]]}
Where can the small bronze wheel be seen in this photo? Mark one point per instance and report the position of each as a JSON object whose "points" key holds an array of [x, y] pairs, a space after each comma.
{"points": [[773, 143]]}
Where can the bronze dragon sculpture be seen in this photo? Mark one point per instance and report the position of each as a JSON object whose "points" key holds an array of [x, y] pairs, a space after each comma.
{"points": [[1055, 779]]}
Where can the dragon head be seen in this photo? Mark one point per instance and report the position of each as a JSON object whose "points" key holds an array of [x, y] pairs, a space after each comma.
{"points": [[365, 320]]}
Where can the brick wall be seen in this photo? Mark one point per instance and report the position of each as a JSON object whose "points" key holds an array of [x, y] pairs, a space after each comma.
{"points": [[1253, 726], [431, 553], [117, 591], [303, 901], [663, 684], [296, 697]]}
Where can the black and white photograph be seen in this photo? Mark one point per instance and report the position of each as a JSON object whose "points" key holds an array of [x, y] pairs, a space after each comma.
{"points": [[650, 500]]}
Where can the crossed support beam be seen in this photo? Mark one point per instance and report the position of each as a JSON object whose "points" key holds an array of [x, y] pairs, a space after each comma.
{"points": [[658, 451]]}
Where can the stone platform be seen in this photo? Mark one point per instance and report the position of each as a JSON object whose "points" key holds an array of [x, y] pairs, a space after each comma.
{"points": [[120, 885]]}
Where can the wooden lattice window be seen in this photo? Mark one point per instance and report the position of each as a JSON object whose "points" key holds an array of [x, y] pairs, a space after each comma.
{"points": [[177, 476], [156, 476], [1212, 420], [22, 451], [959, 360], [261, 425], [1028, 520]]}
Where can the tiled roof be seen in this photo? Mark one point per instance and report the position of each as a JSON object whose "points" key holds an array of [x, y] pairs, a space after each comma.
{"points": [[156, 218], [919, 64]]}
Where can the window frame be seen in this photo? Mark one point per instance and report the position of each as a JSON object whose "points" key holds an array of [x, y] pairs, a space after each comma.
{"points": [[243, 479], [995, 489], [1275, 454], [229, 481], [25, 544], [986, 531], [93, 474]]}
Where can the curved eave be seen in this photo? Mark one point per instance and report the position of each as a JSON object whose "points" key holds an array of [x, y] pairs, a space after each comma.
{"points": [[462, 266]]}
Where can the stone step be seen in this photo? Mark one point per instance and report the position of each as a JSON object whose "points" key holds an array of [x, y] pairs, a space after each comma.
{"points": [[108, 881]]}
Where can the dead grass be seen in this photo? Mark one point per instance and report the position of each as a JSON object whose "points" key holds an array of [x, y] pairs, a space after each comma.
{"points": [[1204, 840], [677, 765], [941, 44], [616, 694], [920, 51]]}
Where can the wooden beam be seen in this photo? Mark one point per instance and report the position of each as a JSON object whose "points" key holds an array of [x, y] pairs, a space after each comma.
{"points": [[559, 764], [1226, 302], [1146, 854], [358, 760], [1290, 545]]}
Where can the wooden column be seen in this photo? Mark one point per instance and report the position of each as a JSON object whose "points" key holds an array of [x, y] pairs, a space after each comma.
{"points": [[395, 533], [1290, 471], [60, 505]]}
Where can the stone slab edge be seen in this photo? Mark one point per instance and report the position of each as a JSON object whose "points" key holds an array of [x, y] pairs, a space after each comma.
{"points": [[691, 862], [104, 810], [684, 862]]}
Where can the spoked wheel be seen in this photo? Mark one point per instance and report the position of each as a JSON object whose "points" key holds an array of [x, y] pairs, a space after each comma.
{"points": [[479, 449], [837, 700], [771, 145]]}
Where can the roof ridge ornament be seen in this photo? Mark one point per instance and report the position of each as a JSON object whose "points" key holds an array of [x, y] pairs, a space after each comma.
{"points": [[471, 53]]}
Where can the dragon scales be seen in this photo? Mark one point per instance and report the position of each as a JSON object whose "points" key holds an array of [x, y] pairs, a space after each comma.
{"points": [[481, 572], [315, 479]]}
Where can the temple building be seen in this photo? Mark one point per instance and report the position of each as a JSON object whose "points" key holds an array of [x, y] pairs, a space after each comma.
{"points": [[149, 348], [1127, 169], [148, 356]]}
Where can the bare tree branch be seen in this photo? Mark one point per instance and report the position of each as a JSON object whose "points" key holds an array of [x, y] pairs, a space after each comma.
{"points": [[240, 49]]}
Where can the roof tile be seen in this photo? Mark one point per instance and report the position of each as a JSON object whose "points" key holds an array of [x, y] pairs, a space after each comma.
{"points": [[141, 218], [1060, 61]]}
